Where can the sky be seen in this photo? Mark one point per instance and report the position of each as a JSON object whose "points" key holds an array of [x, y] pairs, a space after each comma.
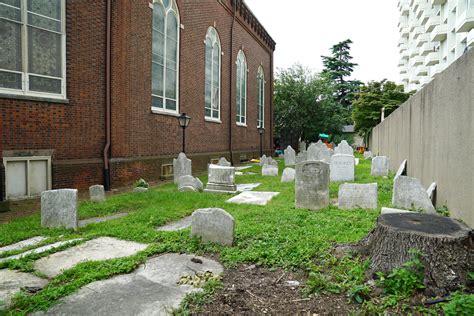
{"points": [[306, 29]]}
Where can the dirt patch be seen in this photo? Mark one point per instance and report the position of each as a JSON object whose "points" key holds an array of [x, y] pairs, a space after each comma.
{"points": [[256, 290]]}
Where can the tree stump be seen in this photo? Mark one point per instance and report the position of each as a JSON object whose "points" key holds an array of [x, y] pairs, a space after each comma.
{"points": [[445, 243]]}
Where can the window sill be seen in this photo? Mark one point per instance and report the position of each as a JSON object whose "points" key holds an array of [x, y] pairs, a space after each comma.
{"points": [[241, 124], [163, 112], [33, 98], [212, 120]]}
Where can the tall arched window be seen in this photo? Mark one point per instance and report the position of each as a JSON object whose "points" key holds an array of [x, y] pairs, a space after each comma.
{"points": [[261, 97], [165, 59], [241, 99], [213, 75]]}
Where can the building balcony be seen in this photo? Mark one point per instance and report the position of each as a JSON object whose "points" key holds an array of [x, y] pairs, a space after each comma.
{"points": [[438, 2], [470, 39], [414, 79], [439, 33], [432, 22], [403, 69], [405, 32], [432, 59], [421, 71], [402, 40], [414, 25], [405, 9], [421, 9], [422, 39], [403, 61], [428, 13], [414, 51], [402, 48], [417, 61], [405, 55], [427, 48], [465, 21]]}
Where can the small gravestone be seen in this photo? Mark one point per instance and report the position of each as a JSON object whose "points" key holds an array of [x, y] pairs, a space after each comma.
{"points": [[97, 193], [290, 156], [189, 184], [344, 148], [354, 195], [182, 166], [59, 208], [408, 193], [263, 160], [368, 155], [224, 162], [402, 170], [342, 167], [213, 224], [302, 156], [221, 179], [271, 161], [312, 185], [431, 191], [140, 189], [269, 171], [302, 146], [380, 165], [319, 151], [288, 175]]}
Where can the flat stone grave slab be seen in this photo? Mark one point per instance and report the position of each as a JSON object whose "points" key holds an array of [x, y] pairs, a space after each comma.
{"points": [[240, 168], [356, 195], [88, 221], [253, 197], [389, 210], [247, 187], [23, 244], [103, 248], [175, 226], [152, 289], [11, 283], [40, 249]]}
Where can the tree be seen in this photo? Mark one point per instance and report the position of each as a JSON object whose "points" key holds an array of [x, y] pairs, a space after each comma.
{"points": [[339, 68], [374, 96], [305, 105]]}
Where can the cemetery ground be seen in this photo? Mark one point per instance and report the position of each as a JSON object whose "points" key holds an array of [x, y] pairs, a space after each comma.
{"points": [[283, 261]]}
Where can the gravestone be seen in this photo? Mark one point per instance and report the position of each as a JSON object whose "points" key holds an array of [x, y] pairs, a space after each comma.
{"points": [[213, 224], [390, 210], [221, 179], [302, 146], [368, 155], [97, 193], [140, 190], [224, 162], [402, 170], [355, 195], [189, 184], [431, 191], [312, 185], [288, 175], [290, 156], [253, 197], [302, 156], [344, 148], [380, 165], [59, 208], [272, 162], [269, 171], [263, 160], [319, 151], [182, 166], [342, 168], [408, 193]]}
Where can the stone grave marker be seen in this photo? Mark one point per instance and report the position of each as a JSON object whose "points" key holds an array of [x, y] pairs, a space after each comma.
{"points": [[263, 160], [290, 156], [269, 171], [213, 224], [389, 210], [59, 208], [431, 191], [253, 197], [342, 168], [408, 193], [189, 184], [288, 175], [380, 165], [97, 193], [302, 156], [182, 166], [368, 155], [224, 162], [355, 195], [402, 170], [302, 146], [319, 151], [221, 179], [312, 185], [344, 148]]}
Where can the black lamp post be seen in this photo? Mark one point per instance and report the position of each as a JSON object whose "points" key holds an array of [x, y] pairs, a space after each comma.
{"points": [[260, 131], [183, 120]]}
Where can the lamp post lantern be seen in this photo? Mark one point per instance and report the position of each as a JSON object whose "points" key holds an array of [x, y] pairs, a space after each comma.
{"points": [[260, 131], [183, 120]]}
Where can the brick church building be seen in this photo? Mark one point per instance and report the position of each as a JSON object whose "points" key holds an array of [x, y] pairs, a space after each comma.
{"points": [[90, 90]]}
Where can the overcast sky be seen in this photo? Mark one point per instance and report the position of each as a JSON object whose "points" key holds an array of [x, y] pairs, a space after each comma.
{"points": [[306, 29]]}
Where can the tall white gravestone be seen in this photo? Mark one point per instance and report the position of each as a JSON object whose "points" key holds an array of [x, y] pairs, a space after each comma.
{"points": [[182, 166], [221, 179], [319, 151], [312, 185], [290, 156], [380, 165], [342, 167], [344, 148]]}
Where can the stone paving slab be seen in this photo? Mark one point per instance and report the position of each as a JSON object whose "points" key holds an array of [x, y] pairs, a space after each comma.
{"points": [[11, 283], [103, 248], [152, 289], [23, 244], [175, 226], [254, 198], [242, 168], [388, 210], [247, 187], [41, 249], [88, 221]]}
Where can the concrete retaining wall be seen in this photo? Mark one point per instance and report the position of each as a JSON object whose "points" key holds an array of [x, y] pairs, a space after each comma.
{"points": [[434, 130]]}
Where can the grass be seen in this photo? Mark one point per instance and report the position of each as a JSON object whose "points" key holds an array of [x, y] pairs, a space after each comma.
{"points": [[276, 235]]}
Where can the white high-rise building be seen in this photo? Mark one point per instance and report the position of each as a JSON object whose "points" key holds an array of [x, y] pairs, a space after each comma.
{"points": [[433, 34]]}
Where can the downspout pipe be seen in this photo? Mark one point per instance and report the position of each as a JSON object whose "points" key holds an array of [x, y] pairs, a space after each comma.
{"points": [[107, 183], [231, 67]]}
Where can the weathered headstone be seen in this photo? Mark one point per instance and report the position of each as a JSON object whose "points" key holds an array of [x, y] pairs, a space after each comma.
{"points": [[319, 151], [181, 167], [402, 170], [344, 148], [288, 175], [312, 185], [221, 179], [189, 184], [213, 224], [342, 167], [302, 156], [368, 155], [253, 197], [431, 191], [408, 193], [302, 146], [59, 208], [263, 160], [290, 156], [269, 171], [224, 162], [97, 193], [355, 195], [380, 165]]}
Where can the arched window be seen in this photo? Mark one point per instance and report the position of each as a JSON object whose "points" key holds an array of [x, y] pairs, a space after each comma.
{"points": [[213, 75], [261, 97], [165, 59], [241, 89]]}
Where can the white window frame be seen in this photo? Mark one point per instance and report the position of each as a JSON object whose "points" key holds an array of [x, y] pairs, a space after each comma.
{"points": [[261, 92], [173, 9], [218, 43], [242, 62], [25, 82]]}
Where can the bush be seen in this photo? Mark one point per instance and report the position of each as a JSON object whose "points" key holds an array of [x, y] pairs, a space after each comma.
{"points": [[141, 184], [459, 304]]}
